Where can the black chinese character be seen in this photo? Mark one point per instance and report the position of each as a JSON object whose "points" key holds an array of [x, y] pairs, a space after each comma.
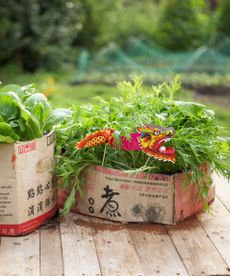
{"points": [[40, 207], [53, 199], [30, 193], [47, 202], [111, 206], [47, 186], [31, 210], [39, 189]]}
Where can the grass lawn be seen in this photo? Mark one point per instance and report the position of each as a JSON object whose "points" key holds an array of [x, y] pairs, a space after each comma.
{"points": [[57, 87]]}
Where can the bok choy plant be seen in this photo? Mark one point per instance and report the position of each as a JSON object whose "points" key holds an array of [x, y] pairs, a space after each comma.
{"points": [[26, 114]]}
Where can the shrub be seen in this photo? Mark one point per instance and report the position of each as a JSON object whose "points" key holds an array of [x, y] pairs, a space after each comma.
{"points": [[38, 33], [178, 26], [224, 17]]}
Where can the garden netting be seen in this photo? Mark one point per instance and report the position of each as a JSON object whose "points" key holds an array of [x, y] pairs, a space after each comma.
{"points": [[140, 56]]}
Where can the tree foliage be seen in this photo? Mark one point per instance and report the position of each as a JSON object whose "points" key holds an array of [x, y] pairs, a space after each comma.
{"points": [[224, 17], [45, 34], [36, 32], [178, 25]]}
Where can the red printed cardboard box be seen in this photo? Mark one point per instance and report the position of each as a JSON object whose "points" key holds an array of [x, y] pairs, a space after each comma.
{"points": [[27, 198], [137, 197]]}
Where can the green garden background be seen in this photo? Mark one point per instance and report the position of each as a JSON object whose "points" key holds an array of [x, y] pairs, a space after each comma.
{"points": [[76, 50]]}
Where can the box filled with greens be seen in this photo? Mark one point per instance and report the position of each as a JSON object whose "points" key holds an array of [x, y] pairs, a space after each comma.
{"points": [[144, 156], [27, 123]]}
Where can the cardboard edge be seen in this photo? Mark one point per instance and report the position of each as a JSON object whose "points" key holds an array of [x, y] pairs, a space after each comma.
{"points": [[45, 136], [30, 225], [174, 201]]}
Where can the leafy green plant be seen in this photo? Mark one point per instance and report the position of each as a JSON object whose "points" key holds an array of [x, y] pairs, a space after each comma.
{"points": [[33, 32], [196, 139], [178, 25], [26, 114], [224, 20]]}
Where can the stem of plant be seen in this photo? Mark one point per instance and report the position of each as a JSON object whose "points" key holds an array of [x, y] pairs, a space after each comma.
{"points": [[103, 160], [147, 161]]}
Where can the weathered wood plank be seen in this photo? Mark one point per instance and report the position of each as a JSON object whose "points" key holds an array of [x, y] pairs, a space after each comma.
{"points": [[20, 255], [117, 255], [79, 252], [156, 251], [222, 189], [196, 249], [217, 227], [51, 260]]}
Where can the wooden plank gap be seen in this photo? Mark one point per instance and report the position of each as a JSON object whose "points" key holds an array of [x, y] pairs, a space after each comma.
{"points": [[156, 252], [222, 186], [177, 251], [197, 251], [51, 251], [79, 250], [116, 252], [217, 228], [217, 249], [222, 202], [62, 256], [20, 255], [97, 253]]}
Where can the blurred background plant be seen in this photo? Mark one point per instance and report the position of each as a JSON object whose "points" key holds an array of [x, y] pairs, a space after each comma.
{"points": [[77, 49], [38, 34], [43, 34]]}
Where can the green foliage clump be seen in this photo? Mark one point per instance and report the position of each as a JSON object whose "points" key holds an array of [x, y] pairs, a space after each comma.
{"points": [[38, 33], [178, 26], [26, 114], [93, 19], [47, 34], [224, 18], [7, 134], [196, 139], [124, 19]]}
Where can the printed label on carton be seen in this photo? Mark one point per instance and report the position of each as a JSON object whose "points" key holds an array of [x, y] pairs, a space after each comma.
{"points": [[31, 146], [120, 196], [141, 197], [7, 201]]}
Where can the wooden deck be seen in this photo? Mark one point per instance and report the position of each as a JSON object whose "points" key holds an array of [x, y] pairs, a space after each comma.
{"points": [[79, 245]]}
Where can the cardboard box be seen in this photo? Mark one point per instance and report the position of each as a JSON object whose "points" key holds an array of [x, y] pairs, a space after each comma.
{"points": [[137, 197], [27, 197]]}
